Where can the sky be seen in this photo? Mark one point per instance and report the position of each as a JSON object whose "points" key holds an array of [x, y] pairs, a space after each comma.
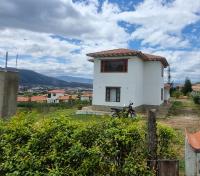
{"points": [[52, 37]]}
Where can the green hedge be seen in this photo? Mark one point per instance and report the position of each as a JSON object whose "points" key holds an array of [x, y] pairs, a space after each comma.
{"points": [[59, 146]]}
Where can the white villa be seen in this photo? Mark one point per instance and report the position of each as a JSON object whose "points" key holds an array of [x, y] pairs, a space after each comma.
{"points": [[122, 76], [53, 95]]}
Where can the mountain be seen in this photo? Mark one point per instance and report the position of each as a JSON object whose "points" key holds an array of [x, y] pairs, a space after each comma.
{"points": [[32, 78], [75, 79]]}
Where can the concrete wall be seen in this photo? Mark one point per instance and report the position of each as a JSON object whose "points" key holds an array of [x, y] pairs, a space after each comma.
{"points": [[8, 93], [141, 84]]}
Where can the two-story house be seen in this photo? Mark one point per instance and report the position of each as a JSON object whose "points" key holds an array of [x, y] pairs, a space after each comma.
{"points": [[122, 76], [53, 95]]}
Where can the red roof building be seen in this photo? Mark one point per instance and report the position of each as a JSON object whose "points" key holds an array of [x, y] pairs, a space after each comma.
{"points": [[38, 99]]}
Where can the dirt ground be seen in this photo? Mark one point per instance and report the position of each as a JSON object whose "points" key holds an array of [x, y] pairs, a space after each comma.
{"points": [[187, 117], [182, 122]]}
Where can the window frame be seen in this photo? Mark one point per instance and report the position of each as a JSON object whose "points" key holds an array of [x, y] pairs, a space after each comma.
{"points": [[103, 63], [118, 94]]}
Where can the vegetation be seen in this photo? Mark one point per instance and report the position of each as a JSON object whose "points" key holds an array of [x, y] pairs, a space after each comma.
{"points": [[187, 88], [63, 143], [47, 107], [175, 108], [196, 99], [176, 93]]}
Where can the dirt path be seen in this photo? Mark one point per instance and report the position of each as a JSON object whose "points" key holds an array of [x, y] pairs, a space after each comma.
{"points": [[180, 122]]}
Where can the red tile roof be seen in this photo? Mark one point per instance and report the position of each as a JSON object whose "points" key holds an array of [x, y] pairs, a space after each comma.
{"points": [[194, 140], [66, 97], [129, 52], [33, 98], [38, 98], [86, 95], [22, 99], [57, 91]]}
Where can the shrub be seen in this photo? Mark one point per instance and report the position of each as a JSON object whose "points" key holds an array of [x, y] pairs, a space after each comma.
{"points": [[175, 108], [176, 94], [196, 99], [56, 146]]}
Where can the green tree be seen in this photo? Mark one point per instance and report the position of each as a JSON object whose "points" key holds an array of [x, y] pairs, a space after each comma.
{"points": [[187, 88]]}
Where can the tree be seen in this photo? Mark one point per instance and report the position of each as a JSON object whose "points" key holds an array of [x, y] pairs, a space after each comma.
{"points": [[187, 88]]}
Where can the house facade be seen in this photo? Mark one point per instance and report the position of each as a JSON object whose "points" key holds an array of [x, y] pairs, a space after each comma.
{"points": [[53, 95], [122, 76]]}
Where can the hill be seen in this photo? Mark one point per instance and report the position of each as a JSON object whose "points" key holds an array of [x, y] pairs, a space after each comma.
{"points": [[75, 79], [32, 78]]}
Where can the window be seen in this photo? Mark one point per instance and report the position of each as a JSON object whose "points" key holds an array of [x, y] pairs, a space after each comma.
{"points": [[114, 65], [49, 95], [54, 94], [162, 94], [113, 94]]}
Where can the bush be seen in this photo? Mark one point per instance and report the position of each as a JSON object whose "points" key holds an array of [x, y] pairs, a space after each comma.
{"points": [[196, 99], [175, 108], [60, 146], [176, 94]]}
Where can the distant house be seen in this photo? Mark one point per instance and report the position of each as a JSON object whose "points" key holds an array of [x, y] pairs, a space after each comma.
{"points": [[196, 87], [64, 98], [86, 97], [123, 75], [38, 99], [53, 95], [21, 99], [192, 154]]}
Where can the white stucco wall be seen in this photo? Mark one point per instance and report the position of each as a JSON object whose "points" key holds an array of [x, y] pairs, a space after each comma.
{"points": [[141, 84], [153, 82], [130, 83]]}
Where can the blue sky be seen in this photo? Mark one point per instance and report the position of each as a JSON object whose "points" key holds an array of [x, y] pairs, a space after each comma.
{"points": [[53, 36]]}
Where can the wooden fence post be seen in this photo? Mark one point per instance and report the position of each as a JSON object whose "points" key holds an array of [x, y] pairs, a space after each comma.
{"points": [[152, 140]]}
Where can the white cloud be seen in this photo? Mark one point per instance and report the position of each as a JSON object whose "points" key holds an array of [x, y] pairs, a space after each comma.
{"points": [[26, 27], [161, 23]]}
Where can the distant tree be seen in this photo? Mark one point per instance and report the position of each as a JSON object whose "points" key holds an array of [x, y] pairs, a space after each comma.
{"points": [[187, 88]]}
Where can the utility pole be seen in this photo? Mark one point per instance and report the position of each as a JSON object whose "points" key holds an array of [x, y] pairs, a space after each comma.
{"points": [[169, 75], [17, 60], [6, 63]]}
